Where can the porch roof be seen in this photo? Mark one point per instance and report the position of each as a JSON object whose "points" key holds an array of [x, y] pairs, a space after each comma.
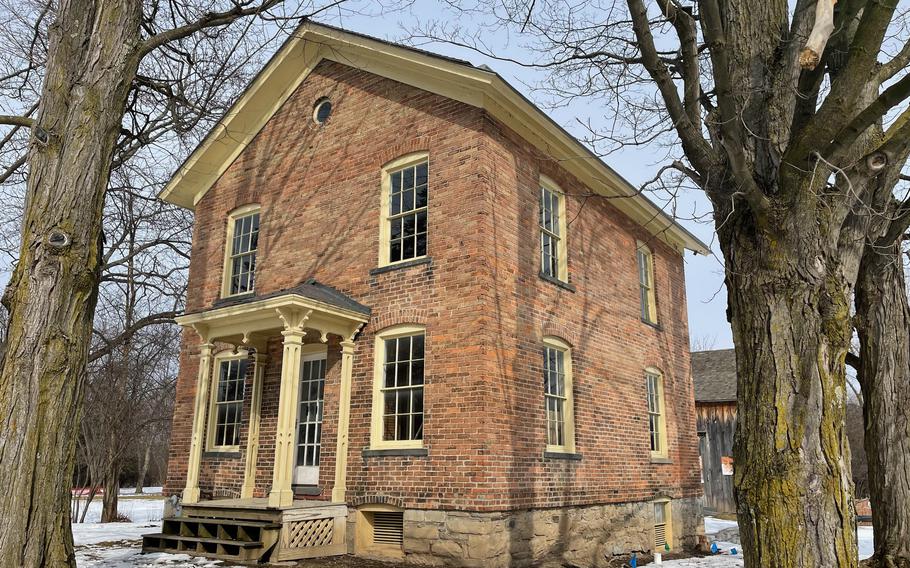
{"points": [[249, 320]]}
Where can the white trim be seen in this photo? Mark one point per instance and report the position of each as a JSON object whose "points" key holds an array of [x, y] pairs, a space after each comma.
{"points": [[569, 418], [217, 360], [232, 217], [385, 226], [562, 242], [377, 414]]}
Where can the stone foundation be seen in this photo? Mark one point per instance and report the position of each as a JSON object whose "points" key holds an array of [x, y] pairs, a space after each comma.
{"points": [[579, 536]]}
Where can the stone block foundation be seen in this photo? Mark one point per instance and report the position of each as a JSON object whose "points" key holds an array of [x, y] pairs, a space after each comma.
{"points": [[584, 536]]}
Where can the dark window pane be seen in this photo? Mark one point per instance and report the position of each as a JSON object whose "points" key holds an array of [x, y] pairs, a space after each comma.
{"points": [[388, 428], [407, 200], [396, 204], [417, 347], [402, 428], [390, 346], [422, 174], [404, 402], [417, 373], [421, 245], [422, 222], [404, 374], [389, 375], [396, 229], [408, 179], [407, 250], [389, 403], [420, 199], [417, 406], [396, 182], [418, 427], [409, 225], [395, 251], [404, 348]]}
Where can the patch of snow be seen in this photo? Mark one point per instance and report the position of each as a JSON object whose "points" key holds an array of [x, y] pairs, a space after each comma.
{"points": [[145, 490], [138, 509], [131, 557], [714, 525]]}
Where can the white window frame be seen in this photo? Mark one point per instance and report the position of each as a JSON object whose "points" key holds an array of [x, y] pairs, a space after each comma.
{"points": [[385, 220], [233, 216], [647, 291], [378, 408], [661, 412], [223, 357], [568, 447], [667, 524], [562, 247]]}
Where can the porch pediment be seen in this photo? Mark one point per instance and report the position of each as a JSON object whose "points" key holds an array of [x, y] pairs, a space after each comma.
{"points": [[251, 320]]}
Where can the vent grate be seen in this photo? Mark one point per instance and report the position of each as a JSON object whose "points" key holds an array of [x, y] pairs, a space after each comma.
{"points": [[388, 528], [660, 536]]}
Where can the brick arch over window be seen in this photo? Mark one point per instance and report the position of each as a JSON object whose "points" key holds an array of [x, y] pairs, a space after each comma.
{"points": [[560, 331], [401, 149], [374, 499], [398, 316]]}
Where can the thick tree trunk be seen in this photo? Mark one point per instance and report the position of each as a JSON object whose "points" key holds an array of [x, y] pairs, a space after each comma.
{"points": [[51, 296], [883, 324], [111, 496], [791, 326]]}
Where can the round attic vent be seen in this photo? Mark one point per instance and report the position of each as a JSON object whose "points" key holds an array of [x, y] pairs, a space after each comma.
{"points": [[321, 111]]}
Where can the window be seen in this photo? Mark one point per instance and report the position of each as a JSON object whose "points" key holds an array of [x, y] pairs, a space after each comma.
{"points": [[553, 250], [321, 111], [242, 244], [657, 428], [646, 284], [663, 536], [558, 403], [227, 403], [405, 199], [398, 388]]}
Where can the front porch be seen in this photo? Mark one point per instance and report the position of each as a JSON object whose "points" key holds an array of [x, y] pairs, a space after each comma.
{"points": [[250, 530], [264, 521]]}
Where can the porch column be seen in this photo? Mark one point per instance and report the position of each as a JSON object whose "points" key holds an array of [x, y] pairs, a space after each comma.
{"points": [[281, 494], [191, 491], [344, 415], [252, 439]]}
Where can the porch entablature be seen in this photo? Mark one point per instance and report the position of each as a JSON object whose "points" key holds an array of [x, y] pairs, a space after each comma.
{"points": [[251, 323]]}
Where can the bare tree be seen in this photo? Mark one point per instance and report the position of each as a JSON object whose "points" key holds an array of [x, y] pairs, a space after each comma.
{"points": [[93, 84], [792, 118]]}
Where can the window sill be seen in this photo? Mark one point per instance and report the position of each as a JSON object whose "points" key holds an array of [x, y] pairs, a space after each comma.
{"points": [[392, 452], [228, 300], [402, 264], [562, 456], [557, 281], [222, 454], [308, 490], [656, 326], [661, 459]]}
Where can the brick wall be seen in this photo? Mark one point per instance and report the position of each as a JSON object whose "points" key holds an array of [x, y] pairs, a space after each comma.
{"points": [[482, 303]]}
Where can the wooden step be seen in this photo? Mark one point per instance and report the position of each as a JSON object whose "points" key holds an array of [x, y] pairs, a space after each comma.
{"points": [[240, 543], [234, 522]]}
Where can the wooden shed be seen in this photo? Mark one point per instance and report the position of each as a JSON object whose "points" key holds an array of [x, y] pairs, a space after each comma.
{"points": [[714, 375]]}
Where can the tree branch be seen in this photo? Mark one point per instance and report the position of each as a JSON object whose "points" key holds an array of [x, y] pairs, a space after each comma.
{"points": [[14, 120], [111, 344], [699, 152], [818, 38], [684, 24], [729, 117]]}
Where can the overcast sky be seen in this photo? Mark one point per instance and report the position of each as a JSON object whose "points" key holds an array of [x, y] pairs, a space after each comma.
{"points": [[708, 327]]}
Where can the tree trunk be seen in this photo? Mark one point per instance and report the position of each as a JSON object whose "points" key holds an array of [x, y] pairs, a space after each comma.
{"points": [[51, 296], [789, 312], [143, 469], [111, 496], [883, 325]]}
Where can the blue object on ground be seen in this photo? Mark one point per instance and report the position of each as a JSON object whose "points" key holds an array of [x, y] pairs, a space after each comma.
{"points": [[714, 548], [634, 561], [733, 551]]}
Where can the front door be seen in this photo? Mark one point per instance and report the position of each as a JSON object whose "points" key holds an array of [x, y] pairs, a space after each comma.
{"points": [[309, 419]]}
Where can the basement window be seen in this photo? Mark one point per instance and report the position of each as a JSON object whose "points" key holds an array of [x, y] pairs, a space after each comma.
{"points": [[663, 535], [380, 531]]}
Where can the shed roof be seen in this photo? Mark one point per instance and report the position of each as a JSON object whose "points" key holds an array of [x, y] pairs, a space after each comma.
{"points": [[714, 375], [310, 289]]}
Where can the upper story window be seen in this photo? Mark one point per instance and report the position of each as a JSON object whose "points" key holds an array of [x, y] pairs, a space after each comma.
{"points": [[242, 244], [646, 284], [227, 403], [657, 424], [553, 249], [405, 196], [398, 387], [558, 400]]}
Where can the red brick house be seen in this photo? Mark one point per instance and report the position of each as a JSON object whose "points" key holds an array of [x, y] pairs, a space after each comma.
{"points": [[424, 323]]}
